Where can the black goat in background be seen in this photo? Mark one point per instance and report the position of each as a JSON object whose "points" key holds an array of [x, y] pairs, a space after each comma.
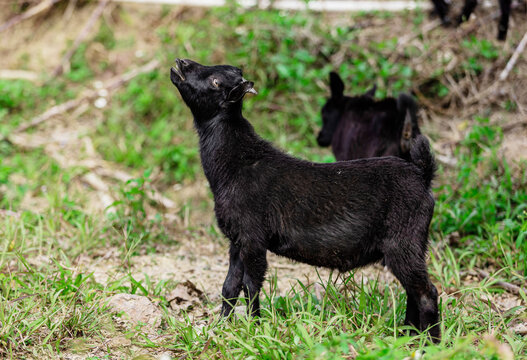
{"points": [[442, 8], [362, 127], [340, 215]]}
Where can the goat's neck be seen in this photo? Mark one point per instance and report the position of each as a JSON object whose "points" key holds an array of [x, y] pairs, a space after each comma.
{"points": [[227, 144]]}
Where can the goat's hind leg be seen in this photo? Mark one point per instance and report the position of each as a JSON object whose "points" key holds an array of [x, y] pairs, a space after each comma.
{"points": [[233, 282], [422, 310]]}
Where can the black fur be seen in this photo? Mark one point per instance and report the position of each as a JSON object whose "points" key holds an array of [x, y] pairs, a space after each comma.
{"points": [[340, 215], [442, 8], [362, 127]]}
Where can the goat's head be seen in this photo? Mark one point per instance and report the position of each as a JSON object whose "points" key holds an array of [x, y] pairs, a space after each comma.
{"points": [[332, 110], [207, 90]]}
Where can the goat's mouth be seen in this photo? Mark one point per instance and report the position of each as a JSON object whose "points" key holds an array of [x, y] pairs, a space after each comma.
{"points": [[177, 70]]}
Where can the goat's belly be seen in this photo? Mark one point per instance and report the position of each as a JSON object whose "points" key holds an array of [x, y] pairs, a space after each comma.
{"points": [[343, 254]]}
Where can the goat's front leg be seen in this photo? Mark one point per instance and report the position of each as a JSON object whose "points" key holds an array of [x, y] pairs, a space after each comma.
{"points": [[233, 282], [441, 8], [505, 7], [254, 265], [412, 312], [468, 8]]}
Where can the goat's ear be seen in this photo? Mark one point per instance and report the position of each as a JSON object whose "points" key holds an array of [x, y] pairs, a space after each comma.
{"points": [[406, 136], [336, 85], [371, 92], [239, 91]]}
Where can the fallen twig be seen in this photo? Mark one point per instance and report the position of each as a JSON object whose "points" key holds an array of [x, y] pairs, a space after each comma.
{"points": [[117, 81], [518, 103], [93, 179], [97, 169], [55, 110], [80, 38], [454, 35], [18, 74], [403, 40], [69, 10], [113, 84], [495, 87], [512, 125], [481, 95], [505, 128], [21, 298], [521, 46], [424, 100], [515, 289], [101, 187], [37, 9], [100, 168]]}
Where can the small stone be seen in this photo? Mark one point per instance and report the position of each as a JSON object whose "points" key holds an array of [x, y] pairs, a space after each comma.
{"points": [[185, 296], [137, 309], [100, 103], [119, 341], [520, 329], [165, 356], [102, 93]]}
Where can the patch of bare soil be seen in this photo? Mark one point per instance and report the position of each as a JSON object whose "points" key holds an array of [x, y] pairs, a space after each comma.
{"points": [[198, 268], [514, 146]]}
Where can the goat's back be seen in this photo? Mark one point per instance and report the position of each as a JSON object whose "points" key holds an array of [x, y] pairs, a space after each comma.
{"points": [[335, 209], [367, 128]]}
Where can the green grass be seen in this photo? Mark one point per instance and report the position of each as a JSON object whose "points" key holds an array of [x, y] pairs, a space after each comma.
{"points": [[51, 304]]}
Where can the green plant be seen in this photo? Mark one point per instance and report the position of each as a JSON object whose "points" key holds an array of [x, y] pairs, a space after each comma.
{"points": [[481, 51], [485, 202], [105, 35], [79, 66], [129, 217]]}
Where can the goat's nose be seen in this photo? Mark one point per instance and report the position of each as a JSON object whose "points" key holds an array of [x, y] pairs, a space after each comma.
{"points": [[322, 140], [181, 62]]}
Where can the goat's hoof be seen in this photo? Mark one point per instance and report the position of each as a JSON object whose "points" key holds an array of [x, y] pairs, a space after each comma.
{"points": [[412, 332], [435, 334], [446, 22]]}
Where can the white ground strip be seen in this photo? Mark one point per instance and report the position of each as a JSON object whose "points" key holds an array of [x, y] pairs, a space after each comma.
{"points": [[315, 5]]}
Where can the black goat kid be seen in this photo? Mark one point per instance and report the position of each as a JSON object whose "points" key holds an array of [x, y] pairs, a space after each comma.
{"points": [[340, 215], [442, 7], [361, 127]]}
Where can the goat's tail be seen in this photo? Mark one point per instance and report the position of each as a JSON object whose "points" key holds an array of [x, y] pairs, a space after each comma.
{"points": [[407, 108], [407, 104], [421, 155]]}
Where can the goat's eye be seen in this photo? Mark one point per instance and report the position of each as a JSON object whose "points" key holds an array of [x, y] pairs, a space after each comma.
{"points": [[215, 82]]}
